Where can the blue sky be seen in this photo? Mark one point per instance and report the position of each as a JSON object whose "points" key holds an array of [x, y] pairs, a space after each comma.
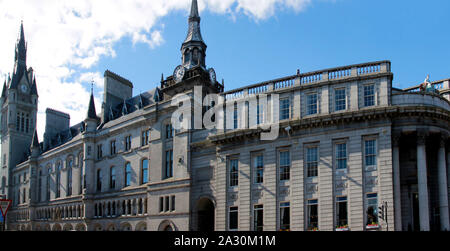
{"points": [[71, 43], [414, 36]]}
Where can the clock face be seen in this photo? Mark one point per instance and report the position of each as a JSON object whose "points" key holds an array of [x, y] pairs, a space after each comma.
{"points": [[179, 73], [212, 75], [24, 88]]}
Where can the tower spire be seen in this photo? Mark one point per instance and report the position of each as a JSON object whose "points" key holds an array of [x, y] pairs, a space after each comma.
{"points": [[194, 9], [194, 48], [91, 114]]}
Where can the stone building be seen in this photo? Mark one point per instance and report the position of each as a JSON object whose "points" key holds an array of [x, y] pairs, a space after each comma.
{"points": [[348, 142]]}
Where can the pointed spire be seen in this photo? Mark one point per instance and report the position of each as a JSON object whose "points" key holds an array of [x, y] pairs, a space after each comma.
{"points": [[194, 9], [124, 108], [4, 90], [20, 64], [92, 114], [35, 141], [34, 87]]}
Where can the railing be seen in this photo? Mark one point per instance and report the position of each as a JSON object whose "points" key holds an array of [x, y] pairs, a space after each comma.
{"points": [[438, 85], [311, 78]]}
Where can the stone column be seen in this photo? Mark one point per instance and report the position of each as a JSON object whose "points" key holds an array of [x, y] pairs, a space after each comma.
{"points": [[442, 182], [397, 185], [422, 183]]}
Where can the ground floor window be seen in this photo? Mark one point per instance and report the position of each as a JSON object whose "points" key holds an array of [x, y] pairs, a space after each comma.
{"points": [[313, 215], [341, 213], [258, 218], [285, 216], [233, 218]]}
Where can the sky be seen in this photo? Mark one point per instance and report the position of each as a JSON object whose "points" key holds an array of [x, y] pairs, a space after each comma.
{"points": [[72, 43]]}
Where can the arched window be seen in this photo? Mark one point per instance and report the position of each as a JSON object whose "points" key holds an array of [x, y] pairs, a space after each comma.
{"points": [[127, 174], [58, 179], [112, 178], [69, 176], [144, 171]]}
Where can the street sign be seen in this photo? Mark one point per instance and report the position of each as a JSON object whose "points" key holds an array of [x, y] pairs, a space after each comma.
{"points": [[4, 206]]}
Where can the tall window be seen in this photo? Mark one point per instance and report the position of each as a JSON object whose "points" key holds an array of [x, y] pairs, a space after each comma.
{"points": [[49, 173], [169, 131], [285, 165], [99, 180], [144, 172], [312, 161], [145, 137], [233, 218], [112, 177], [340, 100], [341, 212], [370, 153], [234, 172], [82, 175], [99, 151], [235, 117], [169, 164], [285, 216], [369, 95], [258, 218], [69, 176], [128, 174], [313, 214], [258, 164], [172, 203], [311, 104], [58, 179], [372, 209], [259, 114], [341, 156], [285, 109], [128, 143], [39, 195], [113, 147]]}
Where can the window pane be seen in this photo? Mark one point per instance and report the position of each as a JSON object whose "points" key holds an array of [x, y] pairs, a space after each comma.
{"points": [[234, 172], [312, 161], [341, 156], [372, 209], [369, 95], [312, 104], [258, 163], [340, 99], [284, 109], [128, 174], [144, 171], [285, 216]]}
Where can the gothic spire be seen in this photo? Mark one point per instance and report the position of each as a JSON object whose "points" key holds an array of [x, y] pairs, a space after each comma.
{"points": [[35, 141], [91, 114], [194, 9], [20, 64], [4, 90], [194, 48]]}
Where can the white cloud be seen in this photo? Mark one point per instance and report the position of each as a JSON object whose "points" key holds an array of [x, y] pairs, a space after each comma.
{"points": [[65, 35]]}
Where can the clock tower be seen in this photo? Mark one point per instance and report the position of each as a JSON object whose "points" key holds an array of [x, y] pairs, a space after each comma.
{"points": [[19, 107], [193, 50], [192, 71]]}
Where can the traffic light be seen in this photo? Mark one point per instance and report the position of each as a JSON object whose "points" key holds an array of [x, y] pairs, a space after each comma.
{"points": [[381, 212]]}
